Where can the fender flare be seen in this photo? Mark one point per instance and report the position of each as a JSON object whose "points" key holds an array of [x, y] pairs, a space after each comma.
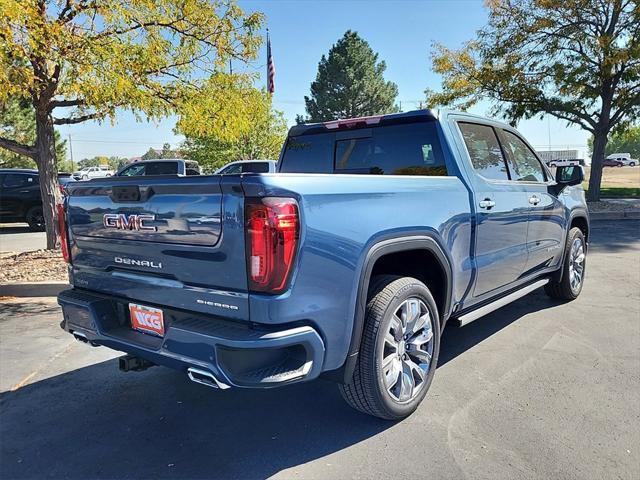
{"points": [[422, 241], [577, 213]]}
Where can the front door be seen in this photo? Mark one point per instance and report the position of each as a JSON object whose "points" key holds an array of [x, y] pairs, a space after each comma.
{"points": [[546, 231], [502, 211]]}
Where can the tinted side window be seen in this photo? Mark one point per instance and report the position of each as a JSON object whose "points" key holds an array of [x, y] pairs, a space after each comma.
{"points": [[255, 167], [16, 180], [484, 150], [231, 169], [133, 171], [523, 163], [162, 168], [192, 168]]}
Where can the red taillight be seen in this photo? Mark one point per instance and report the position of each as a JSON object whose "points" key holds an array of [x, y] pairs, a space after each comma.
{"points": [[272, 228], [62, 233]]}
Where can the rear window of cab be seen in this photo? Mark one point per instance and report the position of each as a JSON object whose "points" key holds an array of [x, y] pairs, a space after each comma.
{"points": [[405, 149]]}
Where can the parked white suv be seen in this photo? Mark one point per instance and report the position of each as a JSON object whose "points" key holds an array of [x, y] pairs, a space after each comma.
{"points": [[93, 172]]}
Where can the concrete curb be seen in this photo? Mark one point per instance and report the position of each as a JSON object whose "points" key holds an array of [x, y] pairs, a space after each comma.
{"points": [[32, 289], [615, 215]]}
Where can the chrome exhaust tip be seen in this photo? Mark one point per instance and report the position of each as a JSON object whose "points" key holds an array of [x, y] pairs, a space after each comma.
{"points": [[205, 377], [81, 337]]}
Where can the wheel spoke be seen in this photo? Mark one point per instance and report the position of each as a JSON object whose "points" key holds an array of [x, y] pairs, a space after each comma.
{"points": [[392, 373], [386, 361], [413, 367], [423, 357], [407, 384], [418, 324], [412, 311], [396, 325]]}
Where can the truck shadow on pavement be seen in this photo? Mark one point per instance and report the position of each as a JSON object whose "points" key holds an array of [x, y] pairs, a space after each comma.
{"points": [[95, 422]]}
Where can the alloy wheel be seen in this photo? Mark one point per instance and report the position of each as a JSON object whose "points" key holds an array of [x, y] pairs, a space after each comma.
{"points": [[576, 264], [407, 350]]}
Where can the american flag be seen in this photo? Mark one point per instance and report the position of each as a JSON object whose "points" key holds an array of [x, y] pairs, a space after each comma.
{"points": [[271, 68]]}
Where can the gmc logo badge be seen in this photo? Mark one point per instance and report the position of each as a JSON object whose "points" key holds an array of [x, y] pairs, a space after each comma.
{"points": [[122, 221]]}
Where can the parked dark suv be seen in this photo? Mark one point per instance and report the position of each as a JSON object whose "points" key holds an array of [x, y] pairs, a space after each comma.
{"points": [[20, 199]]}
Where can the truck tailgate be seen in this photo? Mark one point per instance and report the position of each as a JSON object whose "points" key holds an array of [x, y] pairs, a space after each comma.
{"points": [[162, 240]]}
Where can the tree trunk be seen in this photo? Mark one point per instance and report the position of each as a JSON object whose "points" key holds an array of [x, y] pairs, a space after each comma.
{"points": [[595, 179], [47, 169]]}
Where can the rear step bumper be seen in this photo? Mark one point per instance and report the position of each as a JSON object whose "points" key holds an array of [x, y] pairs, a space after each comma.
{"points": [[211, 351]]}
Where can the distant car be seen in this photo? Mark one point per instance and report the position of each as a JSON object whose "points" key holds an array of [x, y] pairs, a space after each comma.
{"points": [[165, 166], [557, 163], [20, 199], [612, 162], [631, 162], [625, 158], [88, 173], [248, 166]]}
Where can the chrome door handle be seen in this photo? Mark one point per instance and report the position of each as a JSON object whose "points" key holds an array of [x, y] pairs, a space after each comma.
{"points": [[533, 200], [486, 203]]}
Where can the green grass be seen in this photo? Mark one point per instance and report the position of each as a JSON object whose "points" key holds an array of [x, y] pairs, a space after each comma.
{"points": [[616, 192]]}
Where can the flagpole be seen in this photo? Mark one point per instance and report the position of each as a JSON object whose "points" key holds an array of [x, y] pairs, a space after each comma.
{"points": [[270, 66]]}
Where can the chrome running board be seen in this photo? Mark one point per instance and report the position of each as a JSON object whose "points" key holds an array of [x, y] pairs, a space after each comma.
{"points": [[501, 302]]}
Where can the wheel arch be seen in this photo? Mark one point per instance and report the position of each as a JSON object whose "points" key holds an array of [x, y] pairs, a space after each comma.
{"points": [[378, 259], [578, 218]]}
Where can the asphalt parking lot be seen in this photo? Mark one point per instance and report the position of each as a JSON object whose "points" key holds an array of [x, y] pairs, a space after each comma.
{"points": [[538, 389], [17, 237]]}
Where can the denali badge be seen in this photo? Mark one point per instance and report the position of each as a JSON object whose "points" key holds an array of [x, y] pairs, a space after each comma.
{"points": [[138, 263], [122, 221]]}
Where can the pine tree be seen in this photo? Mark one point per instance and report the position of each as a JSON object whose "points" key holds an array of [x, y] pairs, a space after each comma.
{"points": [[350, 83]]}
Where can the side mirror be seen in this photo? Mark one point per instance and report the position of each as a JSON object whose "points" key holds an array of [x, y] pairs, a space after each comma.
{"points": [[568, 175]]}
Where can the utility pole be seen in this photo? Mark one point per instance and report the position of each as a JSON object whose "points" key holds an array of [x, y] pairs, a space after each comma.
{"points": [[73, 166]]}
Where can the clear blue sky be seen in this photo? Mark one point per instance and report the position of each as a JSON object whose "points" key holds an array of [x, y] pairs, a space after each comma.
{"points": [[401, 31]]}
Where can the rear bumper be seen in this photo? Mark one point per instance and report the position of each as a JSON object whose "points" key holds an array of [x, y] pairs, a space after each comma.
{"points": [[234, 354]]}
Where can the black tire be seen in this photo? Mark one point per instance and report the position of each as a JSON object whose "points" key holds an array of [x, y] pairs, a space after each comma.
{"points": [[563, 289], [366, 391], [35, 219]]}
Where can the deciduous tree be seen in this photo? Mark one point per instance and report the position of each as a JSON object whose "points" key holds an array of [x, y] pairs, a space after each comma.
{"points": [[79, 60], [263, 140], [18, 123], [350, 83], [625, 141], [578, 60]]}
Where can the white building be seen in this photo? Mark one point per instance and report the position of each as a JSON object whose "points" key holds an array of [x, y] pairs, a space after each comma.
{"points": [[558, 155]]}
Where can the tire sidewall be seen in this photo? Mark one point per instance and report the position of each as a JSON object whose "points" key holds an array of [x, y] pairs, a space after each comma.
{"points": [[419, 290]]}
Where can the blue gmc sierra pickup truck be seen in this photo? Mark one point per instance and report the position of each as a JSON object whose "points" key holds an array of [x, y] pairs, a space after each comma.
{"points": [[346, 263]]}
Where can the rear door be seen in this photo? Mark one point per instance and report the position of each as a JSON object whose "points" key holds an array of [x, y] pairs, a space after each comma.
{"points": [[20, 191], [546, 230], [162, 241], [502, 211]]}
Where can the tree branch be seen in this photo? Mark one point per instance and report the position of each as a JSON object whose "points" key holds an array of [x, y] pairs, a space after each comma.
{"points": [[65, 103], [74, 120], [18, 148]]}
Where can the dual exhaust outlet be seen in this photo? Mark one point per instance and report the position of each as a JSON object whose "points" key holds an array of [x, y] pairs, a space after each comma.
{"points": [[130, 363]]}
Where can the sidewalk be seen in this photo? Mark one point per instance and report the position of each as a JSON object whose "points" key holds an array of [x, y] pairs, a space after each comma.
{"points": [[615, 209]]}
